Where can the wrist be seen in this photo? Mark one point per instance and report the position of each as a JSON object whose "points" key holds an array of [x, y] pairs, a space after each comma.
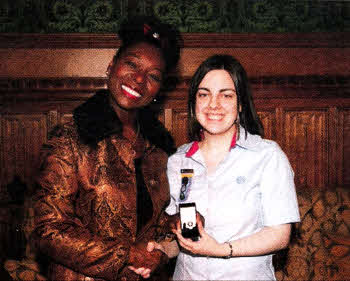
{"points": [[171, 249], [163, 246]]}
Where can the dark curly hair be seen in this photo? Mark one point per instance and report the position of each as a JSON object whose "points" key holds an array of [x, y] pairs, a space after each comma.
{"points": [[151, 30]]}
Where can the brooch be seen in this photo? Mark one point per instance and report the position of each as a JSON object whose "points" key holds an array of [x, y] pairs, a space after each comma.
{"points": [[186, 181]]}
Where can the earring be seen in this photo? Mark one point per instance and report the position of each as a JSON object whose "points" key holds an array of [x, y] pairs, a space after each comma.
{"points": [[201, 133], [108, 70], [155, 100]]}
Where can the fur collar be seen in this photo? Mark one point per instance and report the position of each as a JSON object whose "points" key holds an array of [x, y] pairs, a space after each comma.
{"points": [[96, 120]]}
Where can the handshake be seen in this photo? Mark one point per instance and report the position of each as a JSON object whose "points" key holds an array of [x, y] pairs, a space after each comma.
{"points": [[147, 257], [144, 258]]}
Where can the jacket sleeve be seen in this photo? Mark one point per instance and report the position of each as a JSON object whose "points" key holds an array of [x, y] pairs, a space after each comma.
{"points": [[166, 222], [58, 232]]}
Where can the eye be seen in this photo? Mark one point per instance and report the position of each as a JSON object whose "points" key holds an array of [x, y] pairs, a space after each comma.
{"points": [[228, 96], [202, 94], [155, 77], [131, 64]]}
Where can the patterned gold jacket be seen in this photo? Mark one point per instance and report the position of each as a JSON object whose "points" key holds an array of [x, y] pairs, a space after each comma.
{"points": [[85, 205]]}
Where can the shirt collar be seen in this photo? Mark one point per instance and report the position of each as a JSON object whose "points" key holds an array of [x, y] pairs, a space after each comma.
{"points": [[195, 146], [247, 140]]}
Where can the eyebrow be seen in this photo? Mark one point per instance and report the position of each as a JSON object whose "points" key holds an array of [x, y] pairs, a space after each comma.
{"points": [[221, 90]]}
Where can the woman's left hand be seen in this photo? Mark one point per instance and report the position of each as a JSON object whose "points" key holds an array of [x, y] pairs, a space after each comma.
{"points": [[206, 246]]}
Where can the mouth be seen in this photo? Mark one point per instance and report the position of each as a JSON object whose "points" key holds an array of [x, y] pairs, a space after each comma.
{"points": [[131, 93], [215, 117]]}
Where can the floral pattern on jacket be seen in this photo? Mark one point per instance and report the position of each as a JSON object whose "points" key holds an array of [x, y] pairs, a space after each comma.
{"points": [[85, 206]]}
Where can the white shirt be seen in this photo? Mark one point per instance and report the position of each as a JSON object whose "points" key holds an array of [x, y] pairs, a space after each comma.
{"points": [[251, 188]]}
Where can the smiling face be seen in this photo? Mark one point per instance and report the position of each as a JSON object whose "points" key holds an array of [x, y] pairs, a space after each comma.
{"points": [[216, 103], [136, 76]]}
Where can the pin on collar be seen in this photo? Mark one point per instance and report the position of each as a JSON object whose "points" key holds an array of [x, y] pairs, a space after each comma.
{"points": [[186, 181]]}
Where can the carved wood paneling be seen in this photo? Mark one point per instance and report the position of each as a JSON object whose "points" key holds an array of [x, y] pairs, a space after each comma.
{"points": [[88, 55], [22, 136], [268, 119], [303, 132], [300, 83], [179, 126], [310, 121], [264, 87], [305, 138], [344, 148], [65, 118], [190, 40]]}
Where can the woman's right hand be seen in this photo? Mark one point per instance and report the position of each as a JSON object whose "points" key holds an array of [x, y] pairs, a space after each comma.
{"points": [[144, 271], [140, 256]]}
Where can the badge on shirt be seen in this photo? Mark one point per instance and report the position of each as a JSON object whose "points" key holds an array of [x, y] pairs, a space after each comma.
{"points": [[186, 181]]}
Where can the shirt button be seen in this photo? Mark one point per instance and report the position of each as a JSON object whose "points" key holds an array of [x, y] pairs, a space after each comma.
{"points": [[240, 180]]}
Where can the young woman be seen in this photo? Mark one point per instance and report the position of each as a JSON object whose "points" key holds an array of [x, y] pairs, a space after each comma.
{"points": [[102, 183], [242, 184]]}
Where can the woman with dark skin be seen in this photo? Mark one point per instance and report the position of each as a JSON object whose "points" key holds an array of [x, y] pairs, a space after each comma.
{"points": [[102, 185]]}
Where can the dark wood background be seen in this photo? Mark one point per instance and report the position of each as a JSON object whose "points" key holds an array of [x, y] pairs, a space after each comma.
{"points": [[300, 84]]}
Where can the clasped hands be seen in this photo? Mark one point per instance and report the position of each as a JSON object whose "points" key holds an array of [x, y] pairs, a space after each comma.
{"points": [[206, 246], [144, 260]]}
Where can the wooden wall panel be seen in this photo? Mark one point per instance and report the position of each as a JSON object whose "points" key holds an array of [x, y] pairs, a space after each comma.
{"points": [[344, 148], [268, 119], [66, 117], [175, 113], [305, 139], [179, 125], [301, 86], [22, 136], [314, 132], [88, 55]]}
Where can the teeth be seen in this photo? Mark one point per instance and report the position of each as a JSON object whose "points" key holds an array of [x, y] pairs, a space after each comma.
{"points": [[131, 91], [214, 116]]}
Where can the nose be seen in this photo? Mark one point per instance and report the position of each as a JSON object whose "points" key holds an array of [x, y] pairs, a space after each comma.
{"points": [[213, 102], [139, 77]]}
